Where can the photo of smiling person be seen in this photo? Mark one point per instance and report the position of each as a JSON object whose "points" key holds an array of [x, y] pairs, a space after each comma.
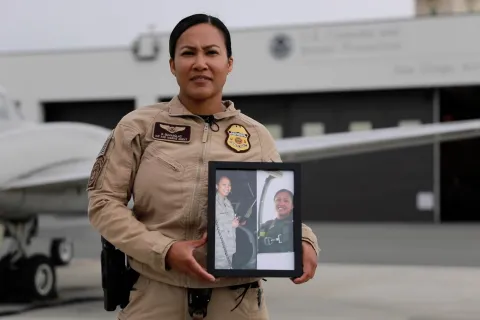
{"points": [[225, 225], [276, 235]]}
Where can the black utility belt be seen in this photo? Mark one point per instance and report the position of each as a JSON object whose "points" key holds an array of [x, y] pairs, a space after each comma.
{"points": [[255, 284], [198, 298]]}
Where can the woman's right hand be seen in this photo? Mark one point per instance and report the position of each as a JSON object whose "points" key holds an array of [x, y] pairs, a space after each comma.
{"points": [[180, 257]]}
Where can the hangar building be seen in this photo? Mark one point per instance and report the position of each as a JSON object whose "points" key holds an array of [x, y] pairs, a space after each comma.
{"points": [[306, 80]]}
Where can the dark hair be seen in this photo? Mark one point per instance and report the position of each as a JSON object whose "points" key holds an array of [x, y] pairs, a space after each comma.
{"points": [[221, 176], [193, 20], [284, 190]]}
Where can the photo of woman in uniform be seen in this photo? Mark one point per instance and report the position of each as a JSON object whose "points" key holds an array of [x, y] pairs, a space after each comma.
{"points": [[236, 220], [276, 235], [225, 224]]}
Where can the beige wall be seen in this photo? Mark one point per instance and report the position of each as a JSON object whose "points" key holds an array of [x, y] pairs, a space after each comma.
{"points": [[426, 52], [432, 7]]}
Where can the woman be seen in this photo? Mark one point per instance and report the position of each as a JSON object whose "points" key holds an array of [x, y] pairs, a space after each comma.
{"points": [[276, 235], [160, 154], [226, 223]]}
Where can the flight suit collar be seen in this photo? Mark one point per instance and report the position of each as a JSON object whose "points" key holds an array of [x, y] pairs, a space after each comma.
{"points": [[288, 218], [177, 109], [220, 199]]}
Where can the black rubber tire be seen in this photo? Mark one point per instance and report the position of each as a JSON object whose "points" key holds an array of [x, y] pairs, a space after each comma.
{"points": [[27, 285], [56, 254]]}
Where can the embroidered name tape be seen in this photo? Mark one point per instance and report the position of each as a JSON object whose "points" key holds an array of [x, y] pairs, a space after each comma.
{"points": [[171, 132]]}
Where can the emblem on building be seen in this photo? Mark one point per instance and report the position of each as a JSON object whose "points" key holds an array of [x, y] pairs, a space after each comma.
{"points": [[281, 46]]}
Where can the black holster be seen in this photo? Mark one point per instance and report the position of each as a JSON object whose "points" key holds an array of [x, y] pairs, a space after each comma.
{"points": [[198, 300], [117, 277]]}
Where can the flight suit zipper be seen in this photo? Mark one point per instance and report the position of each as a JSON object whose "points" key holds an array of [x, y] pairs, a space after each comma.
{"points": [[205, 136], [191, 217], [197, 178]]}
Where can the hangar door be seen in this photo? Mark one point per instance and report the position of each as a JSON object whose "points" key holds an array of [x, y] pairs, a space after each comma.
{"points": [[383, 186], [393, 185], [105, 113]]}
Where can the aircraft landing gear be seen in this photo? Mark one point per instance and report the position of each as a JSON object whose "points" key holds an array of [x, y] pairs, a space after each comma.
{"points": [[32, 279], [29, 275], [61, 252]]}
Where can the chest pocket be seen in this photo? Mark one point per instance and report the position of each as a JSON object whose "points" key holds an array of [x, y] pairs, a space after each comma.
{"points": [[223, 208], [160, 184], [154, 152]]}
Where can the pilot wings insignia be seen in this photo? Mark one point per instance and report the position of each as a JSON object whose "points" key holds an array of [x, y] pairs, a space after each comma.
{"points": [[171, 129], [171, 132]]}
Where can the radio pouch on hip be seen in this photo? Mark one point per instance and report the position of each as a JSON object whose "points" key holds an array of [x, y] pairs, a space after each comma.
{"points": [[117, 277], [198, 300]]}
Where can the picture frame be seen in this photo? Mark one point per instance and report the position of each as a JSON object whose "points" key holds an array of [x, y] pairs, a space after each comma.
{"points": [[254, 219]]}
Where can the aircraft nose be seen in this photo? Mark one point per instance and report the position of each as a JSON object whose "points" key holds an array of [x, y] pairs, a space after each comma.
{"points": [[9, 202]]}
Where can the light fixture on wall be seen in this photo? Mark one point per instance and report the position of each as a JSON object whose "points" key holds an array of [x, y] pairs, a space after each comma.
{"points": [[147, 46]]}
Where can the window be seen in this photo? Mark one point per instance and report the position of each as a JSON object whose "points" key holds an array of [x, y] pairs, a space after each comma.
{"points": [[425, 201], [313, 129], [3, 108], [409, 123], [276, 130], [360, 126]]}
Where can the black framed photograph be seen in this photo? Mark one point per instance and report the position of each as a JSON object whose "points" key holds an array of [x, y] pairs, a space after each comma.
{"points": [[254, 219]]}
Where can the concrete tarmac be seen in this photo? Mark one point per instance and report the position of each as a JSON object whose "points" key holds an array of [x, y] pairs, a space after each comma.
{"points": [[366, 271]]}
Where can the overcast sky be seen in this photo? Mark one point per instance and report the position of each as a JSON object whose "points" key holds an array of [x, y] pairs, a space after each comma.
{"points": [[58, 24]]}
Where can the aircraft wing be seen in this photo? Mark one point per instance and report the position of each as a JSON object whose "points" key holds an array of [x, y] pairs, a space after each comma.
{"points": [[349, 143], [75, 173], [291, 149]]}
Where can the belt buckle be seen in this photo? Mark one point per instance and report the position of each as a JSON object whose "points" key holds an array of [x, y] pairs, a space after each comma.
{"points": [[279, 238], [268, 241]]}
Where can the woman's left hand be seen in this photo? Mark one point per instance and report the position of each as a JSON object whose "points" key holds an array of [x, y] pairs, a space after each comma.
{"points": [[309, 263], [235, 223]]}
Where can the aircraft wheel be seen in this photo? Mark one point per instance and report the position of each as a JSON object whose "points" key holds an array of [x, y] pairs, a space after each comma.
{"points": [[38, 278], [246, 253], [61, 252]]}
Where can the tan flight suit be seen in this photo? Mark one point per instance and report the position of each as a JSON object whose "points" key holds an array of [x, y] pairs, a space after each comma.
{"points": [[225, 235], [160, 154]]}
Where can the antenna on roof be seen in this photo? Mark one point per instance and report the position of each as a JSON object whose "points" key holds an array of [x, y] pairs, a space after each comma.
{"points": [[18, 109]]}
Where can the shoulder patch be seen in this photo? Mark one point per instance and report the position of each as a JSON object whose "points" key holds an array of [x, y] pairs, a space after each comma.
{"points": [[171, 132], [96, 171], [238, 138], [99, 163], [106, 144]]}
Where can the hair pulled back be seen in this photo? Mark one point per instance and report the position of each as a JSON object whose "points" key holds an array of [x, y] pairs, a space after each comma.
{"points": [[193, 20], [290, 193]]}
